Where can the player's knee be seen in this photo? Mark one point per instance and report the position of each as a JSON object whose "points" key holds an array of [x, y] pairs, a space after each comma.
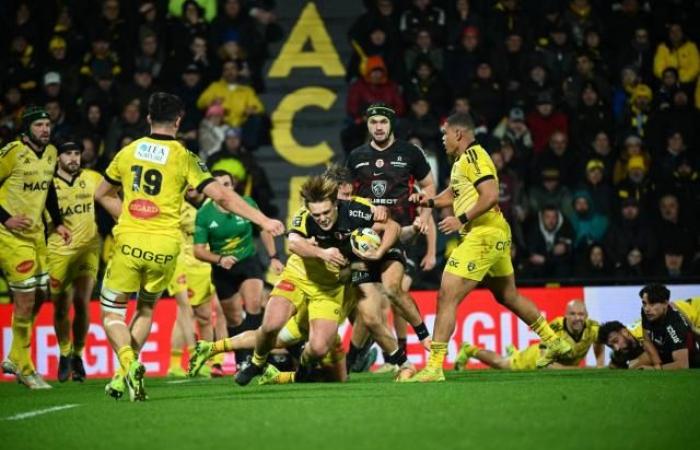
{"points": [[272, 324], [147, 299], [318, 347], [112, 303]]}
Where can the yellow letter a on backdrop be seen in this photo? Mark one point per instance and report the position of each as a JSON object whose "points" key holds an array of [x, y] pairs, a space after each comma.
{"points": [[309, 27]]}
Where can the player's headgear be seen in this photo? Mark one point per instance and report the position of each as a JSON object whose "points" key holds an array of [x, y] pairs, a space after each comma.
{"points": [[381, 109], [32, 114], [67, 146]]}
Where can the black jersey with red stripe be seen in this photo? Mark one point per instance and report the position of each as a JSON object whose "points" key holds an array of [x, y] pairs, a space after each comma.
{"points": [[388, 176]]}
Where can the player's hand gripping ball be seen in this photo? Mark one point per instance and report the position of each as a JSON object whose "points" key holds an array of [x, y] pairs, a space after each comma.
{"points": [[364, 241]]}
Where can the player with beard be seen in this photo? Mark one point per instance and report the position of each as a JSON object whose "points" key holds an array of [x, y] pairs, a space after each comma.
{"points": [[386, 170], [27, 167], [626, 345], [73, 267], [575, 327]]}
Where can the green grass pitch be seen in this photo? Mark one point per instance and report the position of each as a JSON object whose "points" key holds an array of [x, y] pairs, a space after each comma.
{"points": [[591, 409]]}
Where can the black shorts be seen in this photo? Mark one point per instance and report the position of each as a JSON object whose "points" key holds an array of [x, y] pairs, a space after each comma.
{"points": [[362, 272], [227, 282]]}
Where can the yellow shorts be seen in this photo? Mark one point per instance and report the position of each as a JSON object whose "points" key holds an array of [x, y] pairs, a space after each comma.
{"points": [[140, 262], [483, 251], [324, 302], [64, 269], [193, 276], [23, 260], [525, 360]]}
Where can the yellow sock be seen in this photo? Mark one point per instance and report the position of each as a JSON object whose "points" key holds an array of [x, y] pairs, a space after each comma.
{"points": [[222, 346], [218, 359], [175, 358], [286, 377], [65, 348], [259, 360], [126, 356], [20, 350], [438, 352], [543, 330]]}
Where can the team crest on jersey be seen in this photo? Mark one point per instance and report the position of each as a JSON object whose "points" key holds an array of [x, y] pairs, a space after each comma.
{"points": [[379, 163], [152, 153], [143, 209], [82, 184], [471, 266], [379, 188]]}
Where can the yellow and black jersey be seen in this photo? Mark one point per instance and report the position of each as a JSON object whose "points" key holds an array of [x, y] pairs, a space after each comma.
{"points": [[474, 166], [690, 308], [352, 214], [25, 181], [579, 344], [76, 202], [154, 172]]}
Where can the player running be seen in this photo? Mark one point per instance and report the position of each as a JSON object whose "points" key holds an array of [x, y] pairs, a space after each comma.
{"points": [[225, 241], [319, 241], [386, 170], [73, 267], [483, 253], [27, 167], [153, 173], [575, 327]]}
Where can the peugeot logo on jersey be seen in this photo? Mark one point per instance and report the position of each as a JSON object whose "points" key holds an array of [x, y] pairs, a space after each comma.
{"points": [[378, 188]]}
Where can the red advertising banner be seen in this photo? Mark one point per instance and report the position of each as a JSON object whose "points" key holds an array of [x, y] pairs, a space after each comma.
{"points": [[480, 321]]}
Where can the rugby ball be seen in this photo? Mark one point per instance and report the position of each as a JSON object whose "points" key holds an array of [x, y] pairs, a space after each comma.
{"points": [[363, 240]]}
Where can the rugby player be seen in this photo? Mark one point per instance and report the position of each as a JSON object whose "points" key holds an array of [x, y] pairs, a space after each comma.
{"points": [[575, 327], [73, 267], [386, 170], [483, 254], [667, 330], [27, 167], [320, 246], [226, 241], [626, 345], [153, 173]]}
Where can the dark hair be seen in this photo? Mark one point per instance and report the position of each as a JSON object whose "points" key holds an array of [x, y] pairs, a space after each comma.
{"points": [[164, 107], [338, 173], [222, 173], [460, 120], [608, 327], [656, 293]]}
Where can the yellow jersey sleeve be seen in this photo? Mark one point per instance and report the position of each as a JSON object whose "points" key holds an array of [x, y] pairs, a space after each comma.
{"points": [[112, 174], [690, 309], [299, 222], [478, 165], [198, 174], [8, 159]]}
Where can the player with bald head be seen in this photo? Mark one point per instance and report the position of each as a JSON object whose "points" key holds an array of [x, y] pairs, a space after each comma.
{"points": [[575, 327]]}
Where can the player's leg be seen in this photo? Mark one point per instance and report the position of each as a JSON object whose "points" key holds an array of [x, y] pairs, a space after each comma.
{"points": [[251, 295], [506, 293], [404, 304], [322, 334], [220, 331], [61, 295], [202, 314], [83, 287]]}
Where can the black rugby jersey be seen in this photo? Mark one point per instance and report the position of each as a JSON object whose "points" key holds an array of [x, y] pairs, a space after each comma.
{"points": [[671, 333], [388, 177]]}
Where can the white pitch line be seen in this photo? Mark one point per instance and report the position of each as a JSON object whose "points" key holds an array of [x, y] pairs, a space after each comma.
{"points": [[179, 381], [39, 412]]}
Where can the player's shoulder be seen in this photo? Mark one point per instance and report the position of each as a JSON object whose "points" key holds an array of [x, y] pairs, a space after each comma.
{"points": [[358, 153], [557, 324], [11, 148], [360, 201], [90, 174]]}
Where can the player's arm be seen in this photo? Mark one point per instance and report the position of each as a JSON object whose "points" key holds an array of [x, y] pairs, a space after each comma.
{"points": [[389, 231], [680, 360], [55, 213], [430, 256], [105, 194], [268, 242], [234, 203], [599, 352], [300, 246], [651, 350], [7, 163], [488, 198], [442, 200], [427, 185]]}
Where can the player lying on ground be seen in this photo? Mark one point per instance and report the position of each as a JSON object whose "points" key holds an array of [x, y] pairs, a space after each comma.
{"points": [[626, 345], [668, 337], [483, 255], [575, 327]]}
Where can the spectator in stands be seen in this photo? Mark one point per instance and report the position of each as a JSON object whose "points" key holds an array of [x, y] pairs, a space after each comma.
{"points": [[584, 75], [550, 245], [52, 89], [462, 61], [189, 89], [197, 53], [130, 122], [666, 162], [589, 226], [632, 146], [176, 8], [672, 264], [578, 17], [590, 115], [674, 231], [638, 54], [243, 107], [630, 242], [600, 191], [681, 116], [511, 198], [550, 192], [594, 263], [22, 67], [685, 184], [377, 43], [622, 91], [57, 61], [100, 59], [427, 83], [424, 49], [559, 155], [140, 86], [516, 160], [103, 91], [212, 131], [536, 84], [637, 185], [601, 149], [423, 124], [152, 22], [670, 83], [462, 17], [544, 120], [151, 53], [60, 125], [486, 94], [506, 17], [638, 111], [251, 178], [382, 13], [514, 129], [680, 52], [422, 15], [558, 53], [93, 122], [116, 30], [185, 26], [510, 64], [593, 46]]}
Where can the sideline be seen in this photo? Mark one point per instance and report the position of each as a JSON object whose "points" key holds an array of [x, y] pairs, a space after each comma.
{"points": [[39, 412]]}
